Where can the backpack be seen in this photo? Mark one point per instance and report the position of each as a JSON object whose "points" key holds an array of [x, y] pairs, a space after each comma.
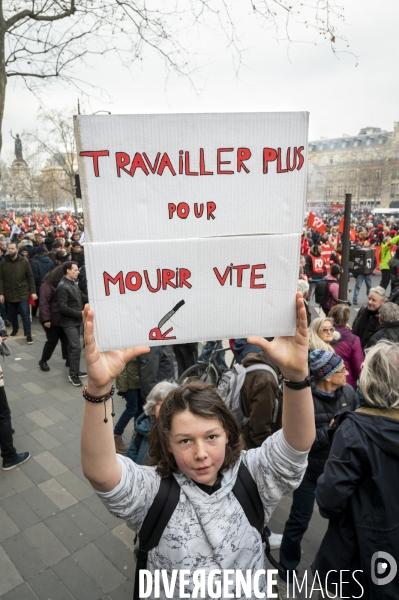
{"points": [[229, 389], [165, 502], [321, 292]]}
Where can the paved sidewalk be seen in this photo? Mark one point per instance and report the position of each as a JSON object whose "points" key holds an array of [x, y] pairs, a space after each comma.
{"points": [[57, 541]]}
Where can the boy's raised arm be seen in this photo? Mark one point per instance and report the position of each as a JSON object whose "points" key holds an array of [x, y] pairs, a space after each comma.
{"points": [[99, 461], [291, 355]]}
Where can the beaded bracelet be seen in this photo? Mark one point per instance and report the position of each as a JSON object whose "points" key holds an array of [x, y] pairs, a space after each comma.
{"points": [[97, 399]]}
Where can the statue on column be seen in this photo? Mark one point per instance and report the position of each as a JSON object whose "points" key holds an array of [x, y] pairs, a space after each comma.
{"points": [[17, 146]]}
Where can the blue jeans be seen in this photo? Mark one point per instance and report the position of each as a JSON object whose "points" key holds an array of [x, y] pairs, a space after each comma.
{"points": [[206, 353], [134, 408], [23, 308], [297, 524], [359, 282]]}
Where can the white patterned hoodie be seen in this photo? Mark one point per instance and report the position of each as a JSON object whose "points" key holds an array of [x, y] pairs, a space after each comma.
{"points": [[209, 531]]}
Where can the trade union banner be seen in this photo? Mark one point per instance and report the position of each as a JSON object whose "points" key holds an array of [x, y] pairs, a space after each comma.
{"points": [[192, 224]]}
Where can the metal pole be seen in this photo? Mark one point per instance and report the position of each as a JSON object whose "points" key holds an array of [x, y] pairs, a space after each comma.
{"points": [[343, 280]]}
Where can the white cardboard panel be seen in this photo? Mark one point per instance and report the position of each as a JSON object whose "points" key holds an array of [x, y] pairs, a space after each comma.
{"points": [[210, 311], [136, 208]]}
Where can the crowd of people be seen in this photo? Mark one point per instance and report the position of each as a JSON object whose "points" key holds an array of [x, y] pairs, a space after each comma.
{"points": [[319, 415]]}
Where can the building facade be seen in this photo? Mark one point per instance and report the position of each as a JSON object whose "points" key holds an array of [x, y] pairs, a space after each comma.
{"points": [[366, 166]]}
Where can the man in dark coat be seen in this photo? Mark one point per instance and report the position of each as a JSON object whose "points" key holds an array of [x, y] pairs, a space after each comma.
{"points": [[16, 284], [70, 302], [367, 321], [388, 316], [331, 395], [41, 265]]}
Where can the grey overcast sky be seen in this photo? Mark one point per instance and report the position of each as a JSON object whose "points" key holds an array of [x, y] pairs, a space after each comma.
{"points": [[341, 97]]}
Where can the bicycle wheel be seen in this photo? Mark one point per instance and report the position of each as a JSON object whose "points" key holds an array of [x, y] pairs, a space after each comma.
{"points": [[204, 372]]}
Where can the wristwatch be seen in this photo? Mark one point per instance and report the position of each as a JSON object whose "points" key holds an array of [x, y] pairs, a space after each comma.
{"points": [[299, 385]]}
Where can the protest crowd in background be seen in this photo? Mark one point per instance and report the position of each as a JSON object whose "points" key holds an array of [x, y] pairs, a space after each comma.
{"points": [[49, 260]]}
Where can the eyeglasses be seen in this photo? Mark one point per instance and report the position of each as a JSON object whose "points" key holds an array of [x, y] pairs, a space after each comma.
{"points": [[329, 330], [340, 371]]}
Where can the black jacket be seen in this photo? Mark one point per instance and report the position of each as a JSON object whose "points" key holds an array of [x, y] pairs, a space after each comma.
{"points": [[394, 271], [16, 279], [365, 324], [325, 409], [359, 493], [70, 302], [386, 331], [41, 265]]}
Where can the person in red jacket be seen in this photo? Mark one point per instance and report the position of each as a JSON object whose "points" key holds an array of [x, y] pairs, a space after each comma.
{"points": [[304, 244], [49, 317], [315, 268]]}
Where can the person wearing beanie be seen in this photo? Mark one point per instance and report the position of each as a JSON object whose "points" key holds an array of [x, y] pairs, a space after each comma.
{"points": [[331, 396]]}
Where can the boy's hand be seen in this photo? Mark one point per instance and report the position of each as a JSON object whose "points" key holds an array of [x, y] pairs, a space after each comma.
{"points": [[290, 353], [103, 367]]}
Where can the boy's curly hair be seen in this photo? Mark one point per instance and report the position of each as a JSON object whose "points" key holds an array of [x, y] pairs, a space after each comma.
{"points": [[200, 399]]}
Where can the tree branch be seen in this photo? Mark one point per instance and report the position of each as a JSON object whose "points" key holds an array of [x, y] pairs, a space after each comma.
{"points": [[24, 14]]}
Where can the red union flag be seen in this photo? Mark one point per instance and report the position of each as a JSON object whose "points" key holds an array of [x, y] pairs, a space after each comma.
{"points": [[316, 223]]}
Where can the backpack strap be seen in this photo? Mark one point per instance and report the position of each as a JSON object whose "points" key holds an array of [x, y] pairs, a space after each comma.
{"points": [[262, 367], [247, 494], [154, 524]]}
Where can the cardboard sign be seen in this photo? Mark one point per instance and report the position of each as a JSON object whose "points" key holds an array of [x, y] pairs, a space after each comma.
{"points": [[177, 291], [180, 212], [159, 177]]}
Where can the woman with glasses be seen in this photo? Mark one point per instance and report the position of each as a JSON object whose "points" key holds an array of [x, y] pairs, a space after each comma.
{"points": [[348, 345], [331, 395], [322, 334]]}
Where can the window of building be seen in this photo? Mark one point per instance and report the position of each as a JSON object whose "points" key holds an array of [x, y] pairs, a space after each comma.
{"points": [[367, 156], [378, 173], [394, 189], [340, 175], [363, 191], [328, 191], [341, 191], [330, 176], [320, 160], [364, 174], [395, 174], [331, 160], [319, 176], [352, 174]]}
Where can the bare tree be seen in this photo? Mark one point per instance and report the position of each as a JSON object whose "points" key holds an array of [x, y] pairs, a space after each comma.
{"points": [[45, 40], [55, 141]]}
